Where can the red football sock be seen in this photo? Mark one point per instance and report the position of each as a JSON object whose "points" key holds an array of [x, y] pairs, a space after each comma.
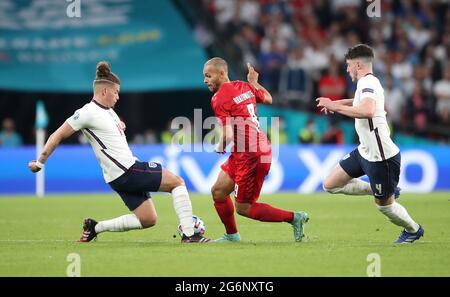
{"points": [[266, 213], [225, 210]]}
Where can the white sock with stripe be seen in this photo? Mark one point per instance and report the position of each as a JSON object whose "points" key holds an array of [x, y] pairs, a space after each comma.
{"points": [[398, 215], [120, 224], [183, 208], [354, 187]]}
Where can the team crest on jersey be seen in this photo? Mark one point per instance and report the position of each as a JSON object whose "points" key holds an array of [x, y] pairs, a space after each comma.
{"points": [[152, 164], [76, 115]]}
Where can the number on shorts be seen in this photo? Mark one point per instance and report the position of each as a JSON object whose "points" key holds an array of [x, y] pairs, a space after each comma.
{"points": [[378, 187]]}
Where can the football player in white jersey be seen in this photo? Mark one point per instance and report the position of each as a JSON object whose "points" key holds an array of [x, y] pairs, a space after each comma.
{"points": [[131, 179], [376, 156]]}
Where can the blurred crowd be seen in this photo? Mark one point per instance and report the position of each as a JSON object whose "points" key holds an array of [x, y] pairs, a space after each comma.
{"points": [[298, 47]]}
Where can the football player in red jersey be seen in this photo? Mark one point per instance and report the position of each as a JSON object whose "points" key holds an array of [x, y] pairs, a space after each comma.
{"points": [[234, 105]]}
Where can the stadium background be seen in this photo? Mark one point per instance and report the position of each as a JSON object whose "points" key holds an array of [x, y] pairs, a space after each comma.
{"points": [[158, 49]]}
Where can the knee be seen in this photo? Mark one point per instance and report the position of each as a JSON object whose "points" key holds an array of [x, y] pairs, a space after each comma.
{"points": [[179, 181], [328, 186], [216, 192], [148, 222]]}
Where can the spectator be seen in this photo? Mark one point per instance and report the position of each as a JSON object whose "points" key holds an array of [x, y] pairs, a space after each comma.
{"points": [[442, 93], [418, 109], [295, 81], [332, 84], [270, 64], [334, 134], [394, 100], [8, 136], [279, 127], [308, 134]]}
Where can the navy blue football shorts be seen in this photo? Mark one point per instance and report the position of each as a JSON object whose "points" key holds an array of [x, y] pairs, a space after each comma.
{"points": [[135, 185], [383, 175]]}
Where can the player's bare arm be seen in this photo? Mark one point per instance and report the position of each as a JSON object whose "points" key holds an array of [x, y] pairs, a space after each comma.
{"points": [[252, 78], [348, 102], [63, 132], [226, 136], [365, 110]]}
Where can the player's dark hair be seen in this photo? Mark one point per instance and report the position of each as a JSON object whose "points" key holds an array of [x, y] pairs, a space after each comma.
{"points": [[359, 51], [104, 73]]}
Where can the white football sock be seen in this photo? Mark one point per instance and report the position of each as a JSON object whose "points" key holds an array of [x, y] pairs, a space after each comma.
{"points": [[120, 224], [398, 215], [354, 187], [183, 208]]}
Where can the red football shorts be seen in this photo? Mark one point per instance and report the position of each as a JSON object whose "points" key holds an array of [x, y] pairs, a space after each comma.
{"points": [[248, 173]]}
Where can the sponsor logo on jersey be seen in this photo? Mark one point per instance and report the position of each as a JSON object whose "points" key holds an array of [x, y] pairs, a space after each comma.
{"points": [[76, 115]]}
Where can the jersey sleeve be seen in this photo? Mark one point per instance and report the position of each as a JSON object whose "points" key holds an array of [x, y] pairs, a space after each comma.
{"points": [[79, 119], [259, 94], [367, 88]]}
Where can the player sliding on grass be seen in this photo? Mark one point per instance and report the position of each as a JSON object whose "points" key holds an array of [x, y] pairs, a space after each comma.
{"points": [[131, 179], [377, 156], [234, 104]]}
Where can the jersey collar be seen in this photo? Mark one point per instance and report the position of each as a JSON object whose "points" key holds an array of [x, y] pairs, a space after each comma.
{"points": [[102, 106]]}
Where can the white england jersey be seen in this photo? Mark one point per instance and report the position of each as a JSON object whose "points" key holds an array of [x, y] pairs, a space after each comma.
{"points": [[105, 132], [374, 133]]}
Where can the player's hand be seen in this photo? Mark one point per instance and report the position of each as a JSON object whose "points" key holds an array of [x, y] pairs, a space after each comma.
{"points": [[252, 76], [33, 167], [327, 105], [326, 111], [219, 149]]}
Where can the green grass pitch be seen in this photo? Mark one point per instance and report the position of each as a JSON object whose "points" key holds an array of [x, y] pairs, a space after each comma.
{"points": [[38, 234]]}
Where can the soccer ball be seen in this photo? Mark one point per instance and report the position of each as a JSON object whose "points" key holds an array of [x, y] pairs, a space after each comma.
{"points": [[199, 226]]}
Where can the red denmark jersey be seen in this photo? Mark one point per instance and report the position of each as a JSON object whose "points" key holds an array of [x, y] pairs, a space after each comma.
{"points": [[235, 104]]}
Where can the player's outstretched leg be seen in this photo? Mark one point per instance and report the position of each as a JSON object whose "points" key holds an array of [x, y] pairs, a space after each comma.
{"points": [[144, 216], [298, 224], [399, 216]]}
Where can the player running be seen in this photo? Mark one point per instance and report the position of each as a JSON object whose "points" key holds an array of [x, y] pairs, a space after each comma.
{"points": [[234, 105], [131, 179], [377, 156]]}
